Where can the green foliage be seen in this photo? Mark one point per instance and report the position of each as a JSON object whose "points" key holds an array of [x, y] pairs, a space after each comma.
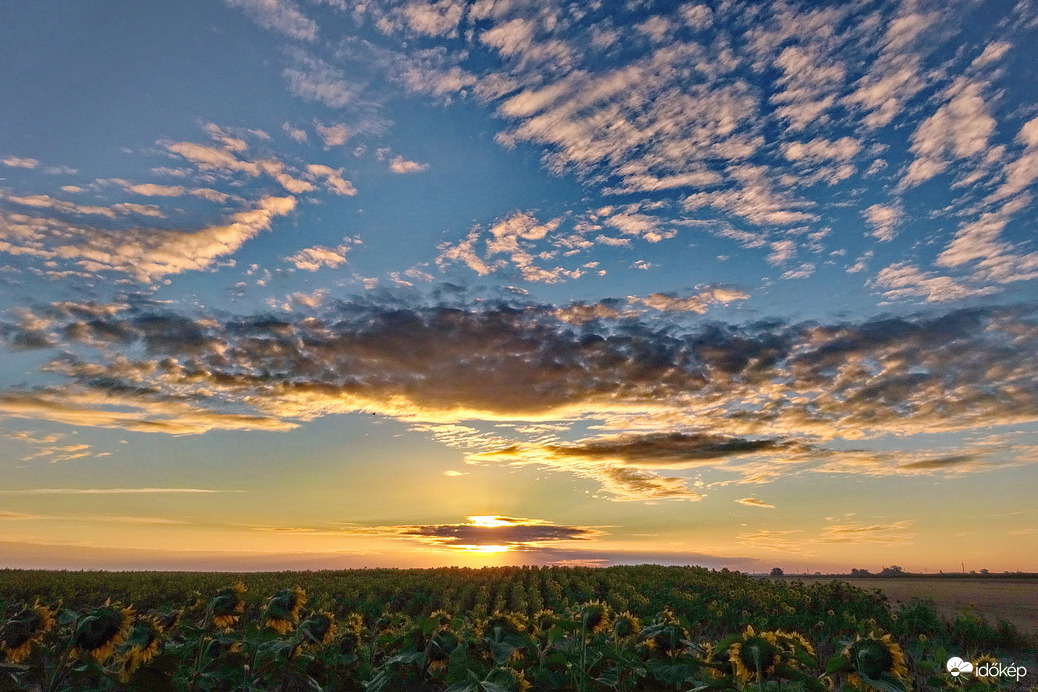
{"points": [[467, 630]]}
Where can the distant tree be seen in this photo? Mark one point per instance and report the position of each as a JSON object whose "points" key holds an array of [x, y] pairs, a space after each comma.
{"points": [[892, 571], [984, 571], [860, 573], [777, 572]]}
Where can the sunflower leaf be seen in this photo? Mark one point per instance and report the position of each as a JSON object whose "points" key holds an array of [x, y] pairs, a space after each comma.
{"points": [[837, 663]]}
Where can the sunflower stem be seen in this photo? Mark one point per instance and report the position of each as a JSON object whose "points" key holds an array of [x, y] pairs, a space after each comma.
{"points": [[62, 669]]}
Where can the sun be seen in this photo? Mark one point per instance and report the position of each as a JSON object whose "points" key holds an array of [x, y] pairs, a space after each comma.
{"points": [[489, 521]]}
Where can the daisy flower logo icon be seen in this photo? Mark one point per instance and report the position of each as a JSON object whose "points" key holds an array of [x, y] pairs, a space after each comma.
{"points": [[956, 666]]}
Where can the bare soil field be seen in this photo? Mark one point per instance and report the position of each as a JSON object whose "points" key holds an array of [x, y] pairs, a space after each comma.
{"points": [[1015, 600]]}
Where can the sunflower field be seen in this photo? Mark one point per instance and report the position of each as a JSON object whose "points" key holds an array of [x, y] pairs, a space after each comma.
{"points": [[477, 630]]}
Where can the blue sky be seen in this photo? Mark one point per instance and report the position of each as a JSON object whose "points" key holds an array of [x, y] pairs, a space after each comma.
{"points": [[720, 283]]}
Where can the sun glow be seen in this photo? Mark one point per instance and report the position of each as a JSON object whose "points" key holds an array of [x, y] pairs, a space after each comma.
{"points": [[487, 548], [489, 521]]}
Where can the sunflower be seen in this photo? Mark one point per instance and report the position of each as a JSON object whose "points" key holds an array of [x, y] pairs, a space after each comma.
{"points": [[594, 616], [355, 625], [626, 625], [981, 660], [792, 642], [440, 620], [18, 634], [544, 620], [667, 617], [166, 622], [715, 668], [873, 657], [666, 639], [440, 648], [100, 630], [521, 683], [142, 645], [755, 656], [509, 623], [318, 629], [282, 611], [227, 607]]}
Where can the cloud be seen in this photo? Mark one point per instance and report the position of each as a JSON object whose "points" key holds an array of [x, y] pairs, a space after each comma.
{"points": [[754, 502], [143, 253], [112, 491], [488, 532], [580, 313], [213, 158], [313, 258], [993, 52], [894, 533], [314, 79], [333, 179], [697, 303], [295, 133], [902, 279], [434, 18], [138, 412], [958, 130], [1020, 173], [650, 450], [884, 220], [755, 197], [511, 37], [855, 533], [782, 251], [153, 190], [18, 516], [334, 135], [802, 271], [282, 16], [758, 400], [821, 149], [895, 76], [626, 465], [20, 162], [772, 539], [400, 165], [515, 238]]}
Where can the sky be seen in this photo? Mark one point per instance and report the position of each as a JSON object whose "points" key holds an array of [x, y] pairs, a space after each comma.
{"points": [[299, 284]]}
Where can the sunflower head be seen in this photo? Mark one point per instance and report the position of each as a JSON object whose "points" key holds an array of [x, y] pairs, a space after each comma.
{"points": [[440, 620], [793, 642], [544, 620], [755, 656], [874, 657], [508, 623], [667, 617], [594, 616], [981, 660], [167, 621], [355, 625], [440, 648], [20, 633], [227, 607], [716, 668], [319, 629], [100, 630], [282, 611], [141, 646], [626, 625]]}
